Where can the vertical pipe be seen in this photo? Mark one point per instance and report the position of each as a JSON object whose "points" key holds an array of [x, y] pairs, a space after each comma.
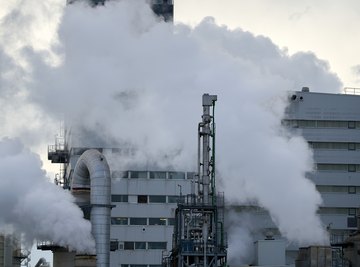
{"points": [[213, 188], [205, 152], [207, 102], [92, 168]]}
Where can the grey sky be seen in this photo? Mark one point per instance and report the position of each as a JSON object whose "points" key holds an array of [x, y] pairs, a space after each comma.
{"points": [[329, 28]]}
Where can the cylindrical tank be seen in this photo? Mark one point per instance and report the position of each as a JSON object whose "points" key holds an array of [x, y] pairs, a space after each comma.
{"points": [[85, 261]]}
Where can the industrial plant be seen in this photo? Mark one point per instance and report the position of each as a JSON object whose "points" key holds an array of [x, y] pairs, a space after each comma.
{"points": [[177, 218], [155, 215]]}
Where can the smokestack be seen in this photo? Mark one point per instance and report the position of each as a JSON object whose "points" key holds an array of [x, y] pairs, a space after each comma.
{"points": [[92, 171]]}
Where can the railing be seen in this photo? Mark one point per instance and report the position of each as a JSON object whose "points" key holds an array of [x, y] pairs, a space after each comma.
{"points": [[195, 200], [352, 91], [160, 2]]}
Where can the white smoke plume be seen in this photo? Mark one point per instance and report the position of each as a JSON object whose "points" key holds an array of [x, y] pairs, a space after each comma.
{"points": [[128, 79], [33, 206]]}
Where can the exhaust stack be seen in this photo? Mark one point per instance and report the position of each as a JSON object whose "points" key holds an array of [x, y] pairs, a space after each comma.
{"points": [[92, 172]]}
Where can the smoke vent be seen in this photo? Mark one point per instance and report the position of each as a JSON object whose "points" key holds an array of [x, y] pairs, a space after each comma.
{"points": [[92, 171]]}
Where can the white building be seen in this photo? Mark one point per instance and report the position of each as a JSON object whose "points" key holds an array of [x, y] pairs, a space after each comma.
{"points": [[331, 125]]}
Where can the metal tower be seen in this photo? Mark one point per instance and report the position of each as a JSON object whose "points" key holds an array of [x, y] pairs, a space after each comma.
{"points": [[199, 239]]}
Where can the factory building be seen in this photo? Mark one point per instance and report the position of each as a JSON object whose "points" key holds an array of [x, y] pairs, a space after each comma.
{"points": [[331, 125]]}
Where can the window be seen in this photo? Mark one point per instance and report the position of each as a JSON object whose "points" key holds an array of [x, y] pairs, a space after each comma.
{"points": [[352, 189], [332, 189], [321, 124], [119, 221], [124, 265], [138, 221], [328, 145], [352, 168], [352, 146], [157, 175], [332, 167], [331, 124], [138, 174], [338, 167], [157, 245], [157, 221], [351, 124], [140, 245], [142, 199], [171, 221], [114, 245], [119, 174], [190, 175], [352, 212], [328, 210], [129, 245], [176, 175], [157, 199], [173, 199], [138, 265], [116, 150], [351, 222], [307, 124], [119, 198]]}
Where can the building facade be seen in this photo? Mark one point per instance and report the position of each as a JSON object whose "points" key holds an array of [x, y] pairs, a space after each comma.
{"points": [[331, 125]]}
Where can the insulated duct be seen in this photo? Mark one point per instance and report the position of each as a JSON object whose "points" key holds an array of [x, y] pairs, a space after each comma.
{"points": [[92, 172], [41, 262]]}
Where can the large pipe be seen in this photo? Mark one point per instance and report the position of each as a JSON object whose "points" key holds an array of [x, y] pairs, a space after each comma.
{"points": [[92, 171], [41, 262]]}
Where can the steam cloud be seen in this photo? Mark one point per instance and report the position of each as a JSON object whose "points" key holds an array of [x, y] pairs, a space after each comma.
{"points": [[31, 205], [128, 79]]}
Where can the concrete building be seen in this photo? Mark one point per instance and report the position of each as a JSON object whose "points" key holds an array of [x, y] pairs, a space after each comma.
{"points": [[331, 125]]}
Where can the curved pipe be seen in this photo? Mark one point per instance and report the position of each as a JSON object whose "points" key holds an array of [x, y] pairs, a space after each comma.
{"points": [[92, 171], [41, 262]]}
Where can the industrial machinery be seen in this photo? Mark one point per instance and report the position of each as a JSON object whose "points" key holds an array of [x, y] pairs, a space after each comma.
{"points": [[199, 239]]}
